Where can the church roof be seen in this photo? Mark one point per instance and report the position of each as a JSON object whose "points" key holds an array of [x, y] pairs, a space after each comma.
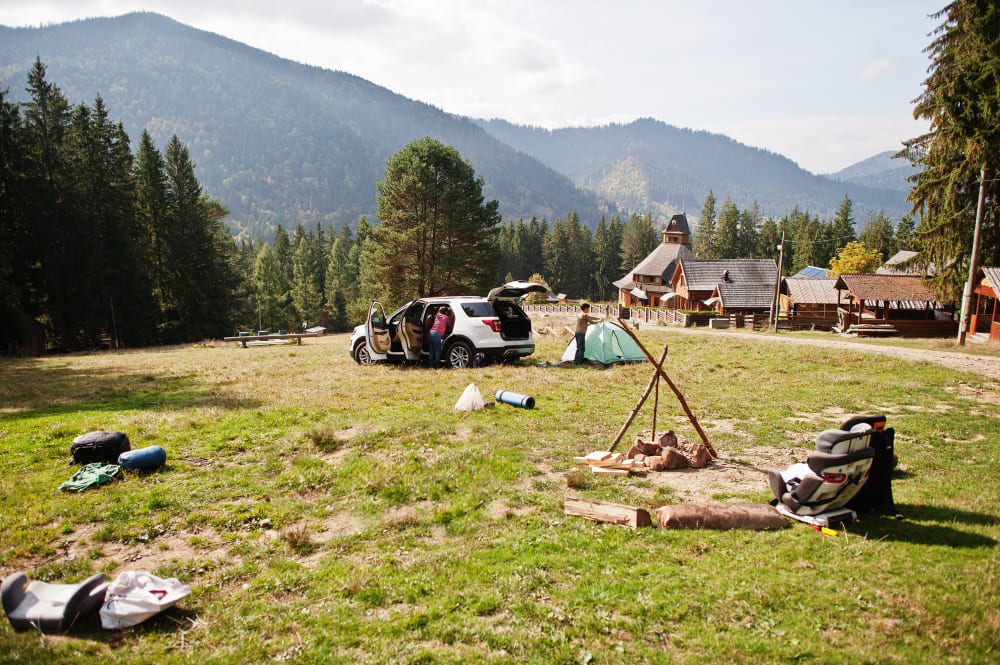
{"points": [[662, 260]]}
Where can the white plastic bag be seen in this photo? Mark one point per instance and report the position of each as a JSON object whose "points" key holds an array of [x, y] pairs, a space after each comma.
{"points": [[471, 399], [134, 597]]}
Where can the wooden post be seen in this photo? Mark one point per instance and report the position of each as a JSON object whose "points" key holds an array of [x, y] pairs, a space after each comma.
{"points": [[973, 262], [642, 400], [680, 397]]}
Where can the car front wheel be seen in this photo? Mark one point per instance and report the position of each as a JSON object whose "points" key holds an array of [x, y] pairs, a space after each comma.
{"points": [[459, 355], [361, 355]]}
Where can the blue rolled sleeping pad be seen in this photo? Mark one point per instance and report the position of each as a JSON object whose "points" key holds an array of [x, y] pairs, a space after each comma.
{"points": [[149, 458], [515, 399]]}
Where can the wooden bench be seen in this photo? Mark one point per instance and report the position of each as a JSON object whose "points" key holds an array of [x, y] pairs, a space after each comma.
{"points": [[243, 339]]}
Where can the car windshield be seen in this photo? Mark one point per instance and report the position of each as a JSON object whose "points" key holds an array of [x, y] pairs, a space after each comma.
{"points": [[478, 310]]}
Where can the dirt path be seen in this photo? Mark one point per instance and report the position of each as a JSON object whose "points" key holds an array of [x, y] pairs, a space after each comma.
{"points": [[965, 362]]}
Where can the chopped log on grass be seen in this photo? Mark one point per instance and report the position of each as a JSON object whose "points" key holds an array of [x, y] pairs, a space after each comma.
{"points": [[604, 511], [755, 516]]}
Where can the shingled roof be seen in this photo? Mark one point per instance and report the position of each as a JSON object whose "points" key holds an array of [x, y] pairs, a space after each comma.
{"points": [[705, 274], [662, 260], [678, 224], [993, 276], [743, 295], [892, 288], [809, 290]]}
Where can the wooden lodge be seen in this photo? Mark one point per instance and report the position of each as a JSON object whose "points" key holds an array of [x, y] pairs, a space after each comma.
{"points": [[649, 282], [890, 304], [809, 300], [726, 286]]}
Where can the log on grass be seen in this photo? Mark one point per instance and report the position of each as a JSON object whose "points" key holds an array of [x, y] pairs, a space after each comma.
{"points": [[604, 511], [755, 516]]}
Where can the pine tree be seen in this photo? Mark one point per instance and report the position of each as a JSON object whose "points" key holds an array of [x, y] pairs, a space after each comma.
{"points": [[151, 222], [638, 240], [307, 284], [768, 240], [746, 236], [877, 235], [904, 238], [607, 245], [559, 259], [704, 235], [842, 229], [726, 244], [437, 233], [271, 290], [961, 103]]}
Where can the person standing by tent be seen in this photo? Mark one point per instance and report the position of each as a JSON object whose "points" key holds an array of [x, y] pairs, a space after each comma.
{"points": [[580, 331], [439, 330]]}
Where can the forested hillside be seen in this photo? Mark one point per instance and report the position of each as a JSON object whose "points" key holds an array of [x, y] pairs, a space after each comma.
{"points": [[273, 140], [882, 171], [649, 165]]}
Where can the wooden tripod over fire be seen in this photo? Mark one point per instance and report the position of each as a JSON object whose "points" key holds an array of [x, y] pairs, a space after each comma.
{"points": [[654, 384]]}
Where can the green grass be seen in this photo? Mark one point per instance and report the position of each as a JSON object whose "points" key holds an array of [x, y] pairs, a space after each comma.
{"points": [[324, 512]]}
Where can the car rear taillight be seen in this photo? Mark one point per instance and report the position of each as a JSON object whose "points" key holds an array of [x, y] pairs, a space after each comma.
{"points": [[493, 323]]}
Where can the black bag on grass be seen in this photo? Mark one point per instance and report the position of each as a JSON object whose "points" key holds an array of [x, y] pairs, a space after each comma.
{"points": [[100, 446]]}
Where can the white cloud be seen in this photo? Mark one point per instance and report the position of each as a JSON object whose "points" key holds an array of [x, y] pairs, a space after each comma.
{"points": [[874, 68]]}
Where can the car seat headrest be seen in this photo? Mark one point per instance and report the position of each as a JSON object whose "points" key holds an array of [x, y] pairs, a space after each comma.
{"points": [[839, 442]]}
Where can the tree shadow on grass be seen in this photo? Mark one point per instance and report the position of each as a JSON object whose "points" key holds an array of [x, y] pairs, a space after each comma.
{"points": [[929, 525], [32, 390]]}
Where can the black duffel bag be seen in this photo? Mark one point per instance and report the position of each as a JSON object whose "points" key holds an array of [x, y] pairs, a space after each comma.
{"points": [[100, 446]]}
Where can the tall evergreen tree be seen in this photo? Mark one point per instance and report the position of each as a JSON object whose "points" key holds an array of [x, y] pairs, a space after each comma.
{"points": [[638, 240], [904, 238], [272, 291], [842, 229], [199, 304], [17, 307], [746, 236], [307, 283], [961, 102], [768, 240], [559, 259], [151, 231], [877, 234], [607, 245], [726, 244], [437, 233], [704, 234], [55, 259]]}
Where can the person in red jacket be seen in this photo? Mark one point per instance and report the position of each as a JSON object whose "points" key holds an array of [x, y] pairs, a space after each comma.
{"points": [[443, 323]]}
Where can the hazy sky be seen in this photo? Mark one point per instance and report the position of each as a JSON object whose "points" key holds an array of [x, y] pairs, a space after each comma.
{"points": [[825, 83]]}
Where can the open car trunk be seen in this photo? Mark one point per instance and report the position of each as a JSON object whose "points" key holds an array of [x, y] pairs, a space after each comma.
{"points": [[514, 323]]}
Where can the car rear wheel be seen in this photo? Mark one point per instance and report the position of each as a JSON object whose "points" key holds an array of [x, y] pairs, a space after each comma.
{"points": [[361, 354], [459, 355]]}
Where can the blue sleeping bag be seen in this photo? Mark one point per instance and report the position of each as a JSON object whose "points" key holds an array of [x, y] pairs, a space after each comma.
{"points": [[149, 458]]}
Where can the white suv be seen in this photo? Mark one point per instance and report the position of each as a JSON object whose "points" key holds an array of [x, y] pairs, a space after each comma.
{"points": [[494, 326]]}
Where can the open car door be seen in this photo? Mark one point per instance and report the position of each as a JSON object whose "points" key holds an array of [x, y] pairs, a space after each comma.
{"points": [[378, 335], [413, 330]]}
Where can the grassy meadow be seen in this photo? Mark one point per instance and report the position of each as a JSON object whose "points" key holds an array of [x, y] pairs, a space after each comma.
{"points": [[324, 512]]}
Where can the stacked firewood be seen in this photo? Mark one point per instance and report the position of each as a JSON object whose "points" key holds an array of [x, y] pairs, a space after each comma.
{"points": [[662, 452]]}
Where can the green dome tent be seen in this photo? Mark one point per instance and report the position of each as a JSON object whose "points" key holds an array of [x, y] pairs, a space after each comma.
{"points": [[606, 343]]}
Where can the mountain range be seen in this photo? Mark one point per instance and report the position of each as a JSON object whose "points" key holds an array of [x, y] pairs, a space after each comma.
{"points": [[281, 142]]}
